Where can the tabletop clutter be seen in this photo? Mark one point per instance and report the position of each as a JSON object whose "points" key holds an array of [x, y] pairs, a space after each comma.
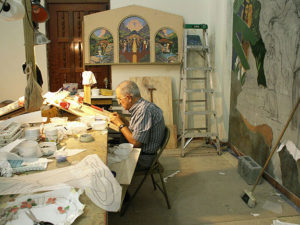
{"points": [[26, 146]]}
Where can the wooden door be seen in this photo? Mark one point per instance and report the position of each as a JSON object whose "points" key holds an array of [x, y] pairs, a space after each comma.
{"points": [[65, 53]]}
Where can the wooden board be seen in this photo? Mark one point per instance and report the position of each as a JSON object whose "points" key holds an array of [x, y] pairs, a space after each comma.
{"points": [[173, 137], [162, 97], [125, 169], [111, 20]]}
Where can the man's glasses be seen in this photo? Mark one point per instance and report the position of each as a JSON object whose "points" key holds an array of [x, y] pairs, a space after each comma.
{"points": [[119, 99]]}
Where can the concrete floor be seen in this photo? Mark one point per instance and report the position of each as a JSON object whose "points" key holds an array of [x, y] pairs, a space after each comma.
{"points": [[205, 191]]}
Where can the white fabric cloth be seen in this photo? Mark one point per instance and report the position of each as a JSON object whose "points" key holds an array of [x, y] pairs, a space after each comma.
{"points": [[88, 78]]}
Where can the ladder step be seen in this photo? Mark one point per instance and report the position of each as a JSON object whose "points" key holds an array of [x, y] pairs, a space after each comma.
{"points": [[200, 128], [198, 68], [200, 112], [194, 78], [200, 90], [196, 100], [199, 100], [197, 47], [193, 134]]}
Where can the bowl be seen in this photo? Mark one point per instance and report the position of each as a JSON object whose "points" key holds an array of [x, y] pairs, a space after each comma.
{"points": [[123, 150]]}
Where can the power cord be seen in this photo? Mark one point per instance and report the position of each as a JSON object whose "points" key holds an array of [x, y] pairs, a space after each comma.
{"points": [[5, 4], [27, 15]]}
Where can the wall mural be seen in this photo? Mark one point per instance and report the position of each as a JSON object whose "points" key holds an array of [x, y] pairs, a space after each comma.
{"points": [[134, 40], [265, 85], [166, 46], [101, 46]]}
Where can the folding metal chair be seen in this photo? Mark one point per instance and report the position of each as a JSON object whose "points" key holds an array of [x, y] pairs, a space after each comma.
{"points": [[156, 168]]}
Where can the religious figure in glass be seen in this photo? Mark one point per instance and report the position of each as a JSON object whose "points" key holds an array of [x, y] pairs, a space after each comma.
{"points": [[134, 40], [166, 46], [101, 46]]}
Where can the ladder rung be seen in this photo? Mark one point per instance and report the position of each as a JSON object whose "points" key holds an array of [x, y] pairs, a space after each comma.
{"points": [[197, 47], [200, 128], [200, 100], [199, 112], [194, 134], [200, 90], [198, 68], [194, 78], [196, 101]]}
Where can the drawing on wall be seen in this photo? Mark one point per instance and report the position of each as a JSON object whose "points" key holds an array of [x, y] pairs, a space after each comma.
{"points": [[166, 46], [260, 113], [246, 32], [101, 46], [134, 40]]}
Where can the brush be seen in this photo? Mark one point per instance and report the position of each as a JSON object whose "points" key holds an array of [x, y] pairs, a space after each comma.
{"points": [[248, 196]]}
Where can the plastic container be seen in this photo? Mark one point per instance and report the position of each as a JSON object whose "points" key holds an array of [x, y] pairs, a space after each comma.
{"points": [[32, 133], [99, 125], [51, 134], [88, 120], [95, 92], [61, 157], [29, 149]]}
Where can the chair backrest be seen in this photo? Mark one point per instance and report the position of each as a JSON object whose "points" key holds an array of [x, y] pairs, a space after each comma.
{"points": [[163, 144], [165, 139]]}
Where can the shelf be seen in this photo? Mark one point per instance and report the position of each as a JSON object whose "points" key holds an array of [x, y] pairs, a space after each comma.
{"points": [[103, 64]]}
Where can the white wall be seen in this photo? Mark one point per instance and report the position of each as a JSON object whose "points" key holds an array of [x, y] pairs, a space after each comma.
{"points": [[12, 55], [218, 15]]}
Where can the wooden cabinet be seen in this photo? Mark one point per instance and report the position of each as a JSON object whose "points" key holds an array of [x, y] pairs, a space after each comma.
{"points": [[65, 53]]}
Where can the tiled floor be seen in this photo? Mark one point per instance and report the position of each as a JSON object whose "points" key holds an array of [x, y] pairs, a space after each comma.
{"points": [[206, 190]]}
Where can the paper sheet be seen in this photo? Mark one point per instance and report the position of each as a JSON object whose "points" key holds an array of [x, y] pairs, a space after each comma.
{"points": [[292, 149], [90, 174], [277, 222], [273, 207], [68, 152]]}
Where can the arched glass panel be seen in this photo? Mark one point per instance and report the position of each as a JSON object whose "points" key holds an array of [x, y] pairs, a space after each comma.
{"points": [[134, 40], [166, 46], [101, 46]]}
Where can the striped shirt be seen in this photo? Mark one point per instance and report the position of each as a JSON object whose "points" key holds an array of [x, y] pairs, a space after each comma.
{"points": [[147, 125]]}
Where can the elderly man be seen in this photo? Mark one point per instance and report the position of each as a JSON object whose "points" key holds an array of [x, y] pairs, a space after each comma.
{"points": [[146, 127]]}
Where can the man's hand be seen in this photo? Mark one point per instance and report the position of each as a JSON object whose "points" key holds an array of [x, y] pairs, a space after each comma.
{"points": [[116, 119]]}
